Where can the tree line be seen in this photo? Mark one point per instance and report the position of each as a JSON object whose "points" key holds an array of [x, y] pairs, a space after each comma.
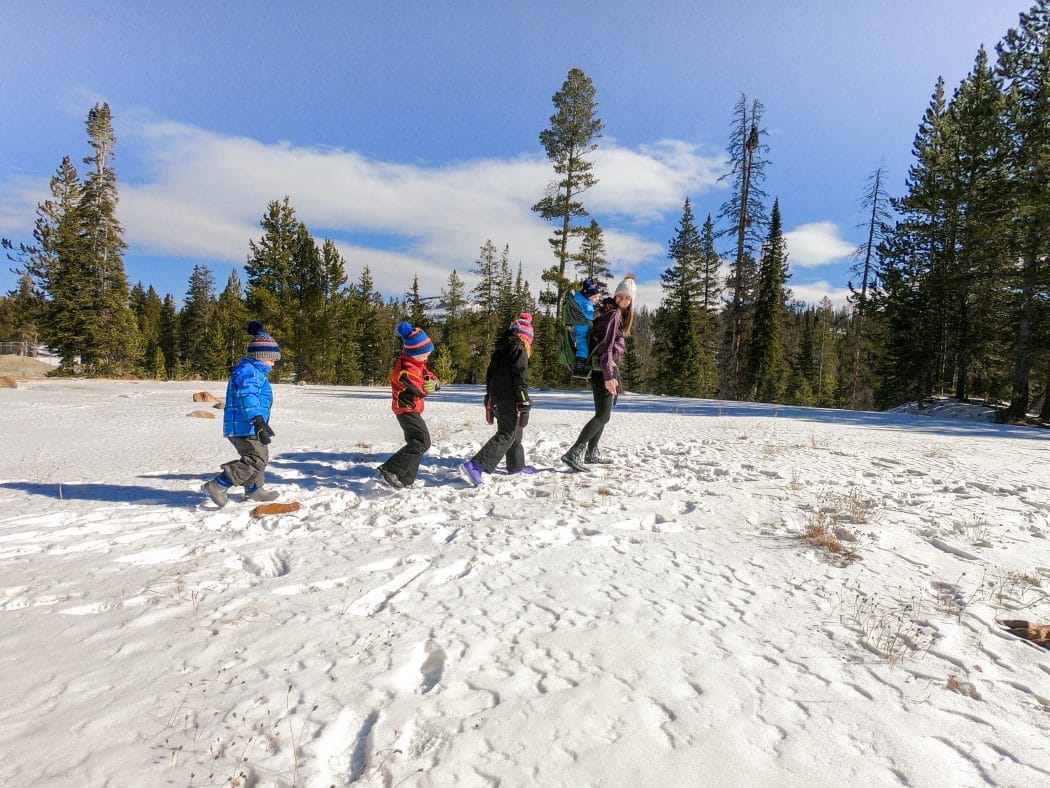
{"points": [[950, 293]]}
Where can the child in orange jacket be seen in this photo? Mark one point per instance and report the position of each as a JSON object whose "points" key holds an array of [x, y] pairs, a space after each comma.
{"points": [[411, 381]]}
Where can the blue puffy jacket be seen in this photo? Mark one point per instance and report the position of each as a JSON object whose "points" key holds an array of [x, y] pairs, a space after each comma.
{"points": [[587, 307], [248, 394]]}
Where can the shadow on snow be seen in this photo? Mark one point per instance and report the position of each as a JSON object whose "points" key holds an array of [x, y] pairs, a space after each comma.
{"points": [[582, 400]]}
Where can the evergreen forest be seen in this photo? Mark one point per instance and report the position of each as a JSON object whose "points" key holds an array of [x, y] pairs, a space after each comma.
{"points": [[950, 292]]}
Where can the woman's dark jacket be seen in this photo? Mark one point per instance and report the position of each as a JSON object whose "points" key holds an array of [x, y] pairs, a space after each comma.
{"points": [[506, 381]]}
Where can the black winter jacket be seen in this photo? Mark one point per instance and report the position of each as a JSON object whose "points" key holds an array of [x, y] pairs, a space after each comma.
{"points": [[506, 381]]}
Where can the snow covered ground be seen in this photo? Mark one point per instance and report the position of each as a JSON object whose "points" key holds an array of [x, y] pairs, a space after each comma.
{"points": [[660, 621]]}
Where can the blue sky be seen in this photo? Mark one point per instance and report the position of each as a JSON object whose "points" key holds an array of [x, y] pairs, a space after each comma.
{"points": [[408, 132]]}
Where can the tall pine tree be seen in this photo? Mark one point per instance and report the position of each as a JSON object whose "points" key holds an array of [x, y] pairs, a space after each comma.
{"points": [[746, 218], [568, 140], [767, 373]]}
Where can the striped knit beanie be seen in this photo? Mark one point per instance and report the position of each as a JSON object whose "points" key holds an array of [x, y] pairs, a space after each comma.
{"points": [[261, 345], [415, 339], [523, 325]]}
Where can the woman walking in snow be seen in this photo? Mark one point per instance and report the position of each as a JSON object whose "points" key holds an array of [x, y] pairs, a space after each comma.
{"points": [[609, 341], [507, 402]]}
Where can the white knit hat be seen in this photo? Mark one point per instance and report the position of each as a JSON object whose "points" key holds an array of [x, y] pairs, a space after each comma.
{"points": [[627, 286]]}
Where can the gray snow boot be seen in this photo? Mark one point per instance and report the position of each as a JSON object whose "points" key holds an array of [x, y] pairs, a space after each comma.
{"points": [[261, 494], [216, 492], [574, 459]]}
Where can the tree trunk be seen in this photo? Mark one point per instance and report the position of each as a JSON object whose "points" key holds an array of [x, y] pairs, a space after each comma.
{"points": [[962, 355], [1023, 358], [1044, 412]]}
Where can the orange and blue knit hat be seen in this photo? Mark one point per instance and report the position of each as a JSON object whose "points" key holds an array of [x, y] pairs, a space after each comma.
{"points": [[415, 339], [261, 345]]}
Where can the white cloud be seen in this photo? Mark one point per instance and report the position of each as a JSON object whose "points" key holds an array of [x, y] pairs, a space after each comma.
{"points": [[815, 244], [203, 195], [648, 183], [19, 196], [815, 292], [649, 294]]}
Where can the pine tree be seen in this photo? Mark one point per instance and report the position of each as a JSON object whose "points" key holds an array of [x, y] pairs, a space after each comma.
{"points": [[826, 329], [506, 300], [229, 338], [196, 322], [746, 215], [913, 263], [804, 369], [710, 263], [375, 331], [56, 265], [859, 333], [328, 320], [148, 309], [590, 261], [683, 364], [1024, 65], [981, 260], [169, 337], [454, 335], [269, 270], [490, 298], [110, 340], [768, 364], [567, 141], [417, 316]]}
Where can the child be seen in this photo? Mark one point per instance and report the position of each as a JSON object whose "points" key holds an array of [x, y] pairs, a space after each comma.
{"points": [[507, 394], [586, 298], [411, 380], [245, 421]]}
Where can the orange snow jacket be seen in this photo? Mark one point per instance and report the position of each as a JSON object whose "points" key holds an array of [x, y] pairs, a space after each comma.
{"points": [[408, 381]]}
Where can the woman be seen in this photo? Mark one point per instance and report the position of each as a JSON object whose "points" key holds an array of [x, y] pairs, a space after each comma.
{"points": [[506, 402], [609, 340]]}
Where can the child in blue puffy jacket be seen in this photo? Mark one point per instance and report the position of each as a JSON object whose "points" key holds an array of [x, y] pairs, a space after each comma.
{"points": [[246, 420], [587, 299]]}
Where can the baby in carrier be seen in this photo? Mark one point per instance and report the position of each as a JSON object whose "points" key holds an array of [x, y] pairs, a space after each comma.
{"points": [[586, 299]]}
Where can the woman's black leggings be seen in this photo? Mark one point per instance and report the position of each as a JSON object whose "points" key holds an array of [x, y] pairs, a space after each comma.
{"points": [[603, 403]]}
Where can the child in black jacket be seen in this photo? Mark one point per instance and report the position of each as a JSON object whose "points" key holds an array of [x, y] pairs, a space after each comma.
{"points": [[506, 402]]}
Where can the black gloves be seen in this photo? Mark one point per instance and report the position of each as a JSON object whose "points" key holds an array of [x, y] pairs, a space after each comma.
{"points": [[262, 430], [523, 407]]}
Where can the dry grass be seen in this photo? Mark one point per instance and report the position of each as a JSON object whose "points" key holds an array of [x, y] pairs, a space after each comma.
{"points": [[1009, 589], [894, 628], [859, 509], [820, 534], [976, 530]]}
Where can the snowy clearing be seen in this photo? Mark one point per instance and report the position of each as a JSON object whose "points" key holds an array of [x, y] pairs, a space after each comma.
{"points": [[661, 621]]}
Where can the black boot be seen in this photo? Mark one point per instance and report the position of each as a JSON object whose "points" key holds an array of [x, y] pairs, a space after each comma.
{"points": [[574, 458]]}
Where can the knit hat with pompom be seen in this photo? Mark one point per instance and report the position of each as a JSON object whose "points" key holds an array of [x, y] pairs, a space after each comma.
{"points": [[628, 286], [523, 325], [416, 342], [261, 345]]}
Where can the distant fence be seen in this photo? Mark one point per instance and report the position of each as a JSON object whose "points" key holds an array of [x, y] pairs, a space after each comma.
{"points": [[17, 349]]}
